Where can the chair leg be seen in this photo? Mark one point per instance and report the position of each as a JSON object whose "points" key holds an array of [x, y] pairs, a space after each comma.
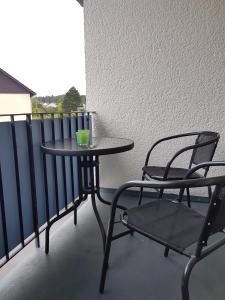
{"points": [[188, 197], [161, 193], [107, 247], [141, 190], [47, 239], [180, 196], [186, 275], [75, 216], [210, 192], [105, 266], [166, 252], [140, 197]]}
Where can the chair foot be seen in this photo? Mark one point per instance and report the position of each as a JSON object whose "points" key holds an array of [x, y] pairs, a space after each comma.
{"points": [[105, 267], [166, 252], [37, 242], [105, 263]]}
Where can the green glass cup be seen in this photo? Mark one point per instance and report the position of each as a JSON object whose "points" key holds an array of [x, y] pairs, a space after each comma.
{"points": [[83, 137]]}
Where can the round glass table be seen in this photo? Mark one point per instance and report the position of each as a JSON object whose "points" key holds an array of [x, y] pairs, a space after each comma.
{"points": [[87, 171]]}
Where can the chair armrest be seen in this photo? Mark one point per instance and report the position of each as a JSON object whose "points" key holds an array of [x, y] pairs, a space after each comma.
{"points": [[203, 165], [167, 139], [175, 184]]}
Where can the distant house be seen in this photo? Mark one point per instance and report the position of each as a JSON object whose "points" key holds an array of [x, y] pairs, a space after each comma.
{"points": [[15, 98], [50, 105]]}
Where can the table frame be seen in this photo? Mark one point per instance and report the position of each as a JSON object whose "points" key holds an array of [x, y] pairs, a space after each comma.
{"points": [[88, 184]]}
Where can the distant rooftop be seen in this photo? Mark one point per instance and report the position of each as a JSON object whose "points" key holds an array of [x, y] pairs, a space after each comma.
{"points": [[81, 2], [10, 85]]}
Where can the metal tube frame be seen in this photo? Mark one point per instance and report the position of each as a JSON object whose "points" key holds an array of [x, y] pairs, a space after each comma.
{"points": [[202, 250], [92, 189], [193, 147], [88, 184]]}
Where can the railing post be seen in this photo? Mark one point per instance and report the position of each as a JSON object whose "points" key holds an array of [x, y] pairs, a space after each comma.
{"points": [[55, 167], [71, 158], [32, 177], [45, 170], [20, 212], [64, 165], [4, 226]]}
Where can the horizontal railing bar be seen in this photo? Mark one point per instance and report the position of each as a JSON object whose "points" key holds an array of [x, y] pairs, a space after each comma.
{"points": [[19, 248], [46, 113], [68, 121], [28, 240]]}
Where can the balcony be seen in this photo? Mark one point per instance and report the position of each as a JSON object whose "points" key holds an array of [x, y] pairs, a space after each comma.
{"points": [[35, 189], [153, 69]]}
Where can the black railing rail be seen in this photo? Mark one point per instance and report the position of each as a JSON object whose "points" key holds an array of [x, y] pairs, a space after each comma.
{"points": [[74, 113], [34, 187]]}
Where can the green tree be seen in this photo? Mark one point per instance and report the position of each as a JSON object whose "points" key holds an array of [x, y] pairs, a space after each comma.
{"points": [[71, 100], [37, 107], [59, 109]]}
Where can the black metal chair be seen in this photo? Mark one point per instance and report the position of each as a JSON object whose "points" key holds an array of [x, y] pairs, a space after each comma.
{"points": [[202, 150], [173, 224]]}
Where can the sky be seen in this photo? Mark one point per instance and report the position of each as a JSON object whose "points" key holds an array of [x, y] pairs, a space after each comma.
{"points": [[42, 44]]}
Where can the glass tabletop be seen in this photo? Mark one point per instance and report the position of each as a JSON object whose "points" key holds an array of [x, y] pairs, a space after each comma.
{"points": [[99, 146]]}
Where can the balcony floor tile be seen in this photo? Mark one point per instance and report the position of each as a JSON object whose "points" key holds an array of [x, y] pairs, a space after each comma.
{"points": [[138, 269]]}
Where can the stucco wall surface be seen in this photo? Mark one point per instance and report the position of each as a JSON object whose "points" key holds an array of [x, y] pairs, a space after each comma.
{"points": [[154, 68], [14, 104]]}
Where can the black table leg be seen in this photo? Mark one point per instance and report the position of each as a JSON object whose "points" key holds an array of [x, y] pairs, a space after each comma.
{"points": [[88, 184], [80, 186], [87, 172], [93, 200]]}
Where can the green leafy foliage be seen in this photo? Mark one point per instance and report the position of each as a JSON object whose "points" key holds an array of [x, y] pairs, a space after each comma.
{"points": [[37, 107], [72, 100], [68, 103]]}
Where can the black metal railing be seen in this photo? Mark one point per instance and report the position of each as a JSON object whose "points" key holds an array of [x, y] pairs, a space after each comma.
{"points": [[34, 187]]}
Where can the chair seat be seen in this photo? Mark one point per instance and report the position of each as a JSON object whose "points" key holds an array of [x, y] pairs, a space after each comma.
{"points": [[174, 173], [169, 223]]}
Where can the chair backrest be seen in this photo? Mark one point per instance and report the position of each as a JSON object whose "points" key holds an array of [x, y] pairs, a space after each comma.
{"points": [[206, 152], [215, 218], [217, 210]]}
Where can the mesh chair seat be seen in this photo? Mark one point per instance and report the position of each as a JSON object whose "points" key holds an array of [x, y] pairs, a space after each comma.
{"points": [[174, 173], [167, 222]]}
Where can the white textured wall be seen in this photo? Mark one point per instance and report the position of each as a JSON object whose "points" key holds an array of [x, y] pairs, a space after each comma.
{"points": [[14, 104], [154, 68]]}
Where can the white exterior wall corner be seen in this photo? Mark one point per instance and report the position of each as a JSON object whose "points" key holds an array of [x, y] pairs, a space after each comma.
{"points": [[154, 68], [14, 104]]}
